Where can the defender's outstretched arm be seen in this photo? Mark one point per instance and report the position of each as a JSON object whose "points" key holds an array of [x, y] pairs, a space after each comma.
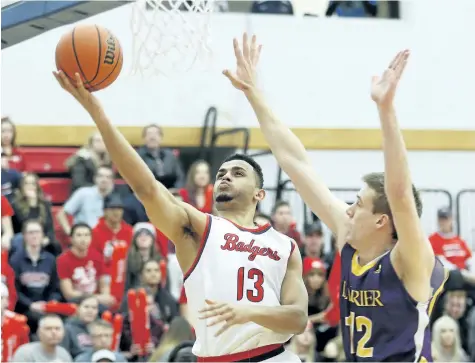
{"points": [[286, 147], [414, 257], [164, 211]]}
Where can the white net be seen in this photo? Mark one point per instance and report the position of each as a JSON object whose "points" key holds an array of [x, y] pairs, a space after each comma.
{"points": [[170, 36]]}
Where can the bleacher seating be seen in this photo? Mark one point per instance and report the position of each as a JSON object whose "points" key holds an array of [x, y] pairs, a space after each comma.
{"points": [[46, 159], [56, 190]]}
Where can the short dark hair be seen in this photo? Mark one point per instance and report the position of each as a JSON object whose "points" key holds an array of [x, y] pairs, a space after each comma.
{"points": [[380, 201], [85, 297], [152, 126], [257, 168], [278, 204], [79, 225]]}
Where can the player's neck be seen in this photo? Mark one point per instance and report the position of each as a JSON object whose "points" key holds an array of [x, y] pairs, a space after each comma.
{"points": [[370, 253], [241, 218]]}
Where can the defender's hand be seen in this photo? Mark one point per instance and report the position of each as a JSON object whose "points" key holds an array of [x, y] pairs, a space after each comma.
{"points": [[383, 88], [247, 59], [78, 91], [230, 314]]}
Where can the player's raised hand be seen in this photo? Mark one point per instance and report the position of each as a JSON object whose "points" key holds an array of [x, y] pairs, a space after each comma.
{"points": [[223, 312], [247, 57], [383, 88], [78, 91]]}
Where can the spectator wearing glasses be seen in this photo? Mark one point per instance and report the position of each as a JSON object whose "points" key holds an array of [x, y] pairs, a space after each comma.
{"points": [[101, 333]]}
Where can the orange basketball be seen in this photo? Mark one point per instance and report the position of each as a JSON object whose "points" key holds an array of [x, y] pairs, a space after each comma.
{"points": [[93, 52]]}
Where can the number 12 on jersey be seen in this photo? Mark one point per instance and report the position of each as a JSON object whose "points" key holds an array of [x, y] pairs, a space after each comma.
{"points": [[256, 294], [361, 323]]}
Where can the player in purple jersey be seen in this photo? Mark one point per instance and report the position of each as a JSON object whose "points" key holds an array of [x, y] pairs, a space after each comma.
{"points": [[390, 276]]}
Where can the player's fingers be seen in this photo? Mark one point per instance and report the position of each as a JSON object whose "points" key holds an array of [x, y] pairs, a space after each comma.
{"points": [[402, 64], [65, 83], [79, 83], [395, 60], [237, 51], [223, 328], [235, 81], [257, 55], [58, 79], [245, 47], [253, 48], [224, 317], [211, 308]]}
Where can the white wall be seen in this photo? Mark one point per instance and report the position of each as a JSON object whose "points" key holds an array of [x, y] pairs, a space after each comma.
{"points": [[315, 71]]}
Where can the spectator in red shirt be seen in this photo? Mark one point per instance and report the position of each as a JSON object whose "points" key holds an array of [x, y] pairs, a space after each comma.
{"points": [[111, 229], [448, 246], [7, 226], [15, 160], [283, 221], [81, 269], [198, 191]]}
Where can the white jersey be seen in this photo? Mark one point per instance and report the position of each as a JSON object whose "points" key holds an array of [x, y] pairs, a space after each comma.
{"points": [[238, 266]]}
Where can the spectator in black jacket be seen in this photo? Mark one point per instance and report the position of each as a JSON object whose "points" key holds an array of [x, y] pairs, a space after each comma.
{"points": [[162, 162], [84, 163], [36, 279]]}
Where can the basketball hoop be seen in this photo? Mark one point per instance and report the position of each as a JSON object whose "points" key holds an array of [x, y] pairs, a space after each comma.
{"points": [[170, 36]]}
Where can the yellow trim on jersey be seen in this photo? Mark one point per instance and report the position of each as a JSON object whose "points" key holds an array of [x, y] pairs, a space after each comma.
{"points": [[357, 269], [438, 291]]}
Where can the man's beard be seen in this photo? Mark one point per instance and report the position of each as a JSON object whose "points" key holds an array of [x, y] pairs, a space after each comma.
{"points": [[223, 198]]}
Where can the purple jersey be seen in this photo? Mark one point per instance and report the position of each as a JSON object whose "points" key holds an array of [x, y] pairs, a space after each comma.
{"points": [[380, 321]]}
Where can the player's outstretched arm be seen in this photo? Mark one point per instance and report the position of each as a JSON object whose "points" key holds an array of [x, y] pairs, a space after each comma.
{"points": [[164, 211], [286, 147], [413, 254]]}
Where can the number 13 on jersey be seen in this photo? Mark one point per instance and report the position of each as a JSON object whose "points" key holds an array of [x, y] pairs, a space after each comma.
{"points": [[362, 324]]}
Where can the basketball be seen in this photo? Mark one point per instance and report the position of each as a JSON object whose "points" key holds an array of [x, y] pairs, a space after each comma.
{"points": [[93, 52]]}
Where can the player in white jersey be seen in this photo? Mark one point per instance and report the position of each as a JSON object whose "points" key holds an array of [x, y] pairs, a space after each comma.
{"points": [[243, 282]]}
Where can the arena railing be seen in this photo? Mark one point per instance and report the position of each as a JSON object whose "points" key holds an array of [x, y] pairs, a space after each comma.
{"points": [[432, 199], [210, 136], [465, 206]]}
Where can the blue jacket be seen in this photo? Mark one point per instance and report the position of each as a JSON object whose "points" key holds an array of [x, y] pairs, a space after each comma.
{"points": [[10, 181], [35, 281]]}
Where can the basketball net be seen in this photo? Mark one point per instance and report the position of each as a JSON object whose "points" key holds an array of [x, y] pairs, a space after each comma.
{"points": [[170, 36]]}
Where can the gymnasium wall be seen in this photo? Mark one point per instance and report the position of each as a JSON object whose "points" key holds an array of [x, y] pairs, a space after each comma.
{"points": [[316, 75], [315, 72]]}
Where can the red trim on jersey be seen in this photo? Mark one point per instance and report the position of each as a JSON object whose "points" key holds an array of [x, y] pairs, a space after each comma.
{"points": [[257, 230], [241, 356], [292, 247], [204, 238]]}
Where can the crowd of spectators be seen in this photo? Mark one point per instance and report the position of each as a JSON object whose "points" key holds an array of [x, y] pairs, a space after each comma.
{"points": [[101, 213]]}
